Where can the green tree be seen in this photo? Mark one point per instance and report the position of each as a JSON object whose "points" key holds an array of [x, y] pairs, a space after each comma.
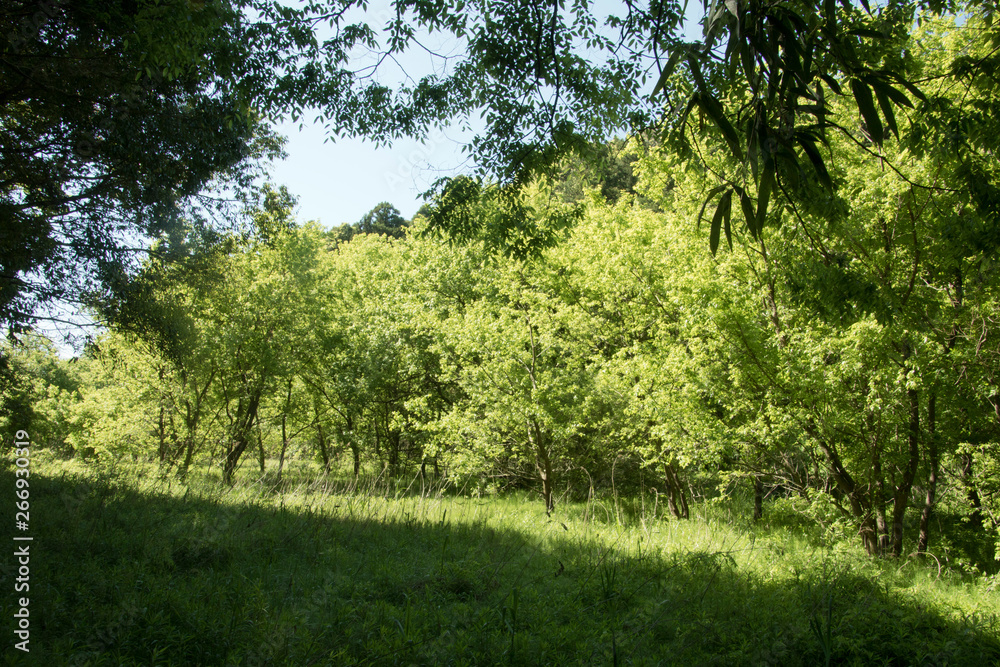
{"points": [[111, 127], [383, 219], [861, 305], [42, 392]]}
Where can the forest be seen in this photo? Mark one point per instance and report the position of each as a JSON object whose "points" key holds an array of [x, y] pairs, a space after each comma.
{"points": [[723, 388]]}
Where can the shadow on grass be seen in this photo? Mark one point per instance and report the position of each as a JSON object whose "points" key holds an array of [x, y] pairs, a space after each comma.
{"points": [[122, 577]]}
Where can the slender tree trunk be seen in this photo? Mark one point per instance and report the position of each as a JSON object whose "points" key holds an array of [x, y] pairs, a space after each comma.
{"points": [[192, 418], [542, 462], [161, 431], [355, 447], [188, 456], [933, 462], [860, 507], [758, 497], [284, 431], [260, 449], [902, 494], [392, 440], [241, 433], [971, 493], [324, 451], [676, 497], [161, 422], [356, 451], [878, 494]]}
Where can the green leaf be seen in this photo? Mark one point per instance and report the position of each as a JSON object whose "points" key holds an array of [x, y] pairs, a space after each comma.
{"points": [[667, 71], [687, 112], [721, 213], [881, 87], [830, 10], [817, 160], [728, 197], [764, 192], [866, 105], [867, 32], [713, 109], [832, 83], [886, 105], [699, 80], [749, 66], [748, 211], [913, 89], [708, 198]]}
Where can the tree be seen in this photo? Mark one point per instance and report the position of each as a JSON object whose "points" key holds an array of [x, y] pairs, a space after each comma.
{"points": [[861, 314], [383, 219], [110, 129], [90, 162], [43, 391]]}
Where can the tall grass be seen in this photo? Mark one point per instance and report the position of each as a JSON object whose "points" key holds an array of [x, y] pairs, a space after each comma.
{"points": [[130, 569]]}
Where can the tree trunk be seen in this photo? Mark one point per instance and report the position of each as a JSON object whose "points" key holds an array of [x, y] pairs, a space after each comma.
{"points": [[860, 507], [676, 497], [324, 451], [284, 431], [758, 498], [261, 458], [392, 440], [971, 493], [932, 460], [241, 434], [161, 430], [188, 456], [542, 462], [902, 494], [192, 417], [878, 497]]}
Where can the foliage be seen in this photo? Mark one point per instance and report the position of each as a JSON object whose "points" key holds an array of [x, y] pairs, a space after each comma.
{"points": [[112, 127], [42, 393], [181, 573], [841, 351], [383, 219]]}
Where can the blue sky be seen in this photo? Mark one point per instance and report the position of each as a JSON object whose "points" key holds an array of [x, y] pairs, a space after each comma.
{"points": [[340, 180]]}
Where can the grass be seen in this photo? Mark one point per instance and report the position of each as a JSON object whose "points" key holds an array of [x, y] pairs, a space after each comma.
{"points": [[128, 569]]}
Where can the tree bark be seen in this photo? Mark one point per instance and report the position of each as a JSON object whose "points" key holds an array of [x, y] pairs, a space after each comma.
{"points": [[261, 457], [284, 431], [161, 422], [241, 434], [878, 498], [933, 462], [542, 462], [676, 497], [860, 507], [758, 498], [324, 451], [971, 493], [902, 494]]}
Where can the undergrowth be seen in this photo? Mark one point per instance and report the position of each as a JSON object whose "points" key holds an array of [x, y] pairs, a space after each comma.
{"points": [[130, 569]]}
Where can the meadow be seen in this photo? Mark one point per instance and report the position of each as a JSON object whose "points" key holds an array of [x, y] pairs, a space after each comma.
{"points": [[130, 568]]}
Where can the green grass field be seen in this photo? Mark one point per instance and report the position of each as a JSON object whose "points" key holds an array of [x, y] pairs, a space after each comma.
{"points": [[128, 569]]}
